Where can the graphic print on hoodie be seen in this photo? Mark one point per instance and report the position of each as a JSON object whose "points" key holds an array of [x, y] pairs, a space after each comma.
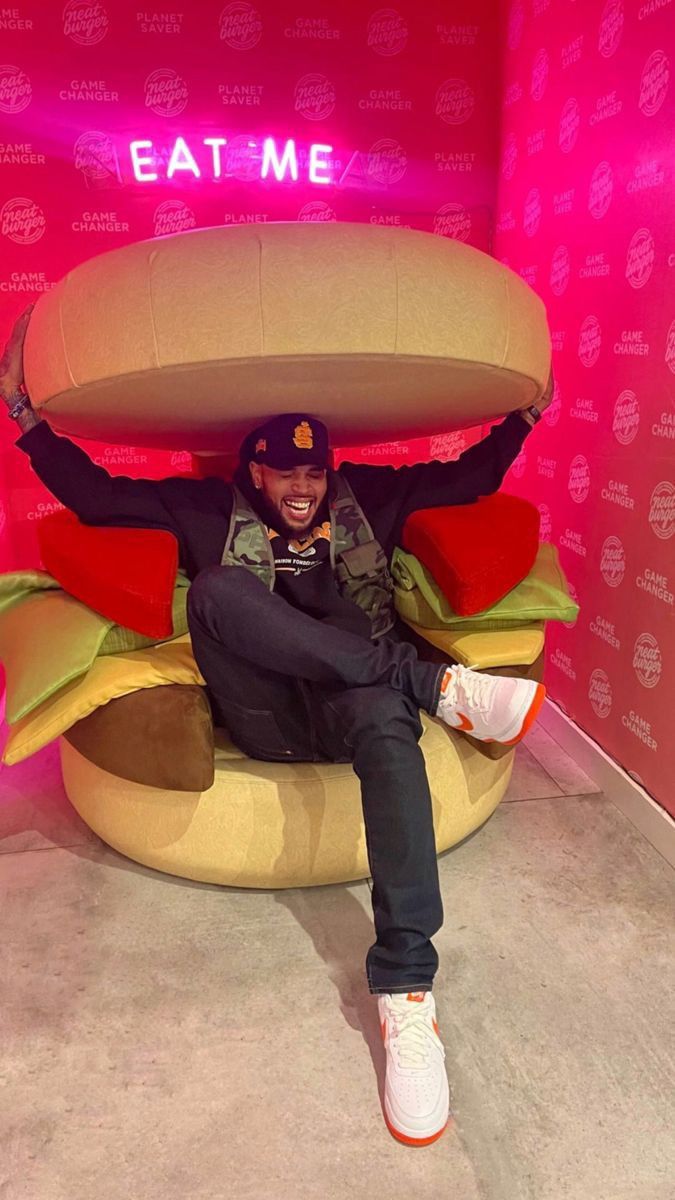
{"points": [[304, 578]]}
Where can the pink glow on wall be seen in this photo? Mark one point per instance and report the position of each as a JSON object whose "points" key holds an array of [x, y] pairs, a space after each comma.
{"points": [[275, 157]]}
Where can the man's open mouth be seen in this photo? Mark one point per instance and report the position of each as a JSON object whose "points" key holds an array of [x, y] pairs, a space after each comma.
{"points": [[299, 508]]}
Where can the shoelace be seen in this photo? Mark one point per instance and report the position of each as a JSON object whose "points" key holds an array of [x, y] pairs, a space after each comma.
{"points": [[411, 1034], [476, 688]]}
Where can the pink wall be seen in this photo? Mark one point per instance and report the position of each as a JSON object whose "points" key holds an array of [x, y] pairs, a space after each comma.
{"points": [[585, 215], [408, 98]]}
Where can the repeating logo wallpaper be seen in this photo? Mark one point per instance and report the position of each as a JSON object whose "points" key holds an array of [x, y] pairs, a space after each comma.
{"points": [[119, 122], [584, 213]]}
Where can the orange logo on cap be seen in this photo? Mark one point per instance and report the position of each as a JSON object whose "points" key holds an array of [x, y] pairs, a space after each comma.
{"points": [[260, 445], [303, 437]]}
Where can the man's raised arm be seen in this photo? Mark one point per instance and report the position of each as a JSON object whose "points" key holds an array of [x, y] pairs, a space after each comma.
{"points": [[479, 471], [85, 488]]}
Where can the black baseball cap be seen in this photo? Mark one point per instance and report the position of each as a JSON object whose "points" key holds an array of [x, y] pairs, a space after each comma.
{"points": [[287, 441]]}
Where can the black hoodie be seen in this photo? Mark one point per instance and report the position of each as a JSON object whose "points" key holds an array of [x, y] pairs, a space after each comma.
{"points": [[197, 511]]}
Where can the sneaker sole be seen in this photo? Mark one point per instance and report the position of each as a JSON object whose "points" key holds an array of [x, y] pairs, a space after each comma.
{"points": [[413, 1141]]}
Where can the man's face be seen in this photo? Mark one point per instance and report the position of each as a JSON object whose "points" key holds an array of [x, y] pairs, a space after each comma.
{"points": [[296, 495]]}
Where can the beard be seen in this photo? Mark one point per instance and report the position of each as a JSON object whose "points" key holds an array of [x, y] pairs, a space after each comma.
{"points": [[273, 517]]}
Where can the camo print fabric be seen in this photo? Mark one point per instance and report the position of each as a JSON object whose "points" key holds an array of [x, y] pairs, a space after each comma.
{"points": [[247, 544], [357, 558]]}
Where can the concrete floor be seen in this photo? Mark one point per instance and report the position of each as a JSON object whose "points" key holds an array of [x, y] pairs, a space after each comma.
{"points": [[164, 1039]]}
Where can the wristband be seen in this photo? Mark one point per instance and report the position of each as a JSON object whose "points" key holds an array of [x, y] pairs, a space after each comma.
{"points": [[19, 408], [23, 402], [532, 412]]}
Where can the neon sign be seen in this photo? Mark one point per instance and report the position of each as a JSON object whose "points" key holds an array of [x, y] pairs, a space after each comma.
{"points": [[217, 158]]}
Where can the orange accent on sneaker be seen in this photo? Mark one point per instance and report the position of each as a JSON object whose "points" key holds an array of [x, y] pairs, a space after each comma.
{"points": [[383, 1030], [417, 996], [530, 716], [446, 681], [435, 1025], [466, 725]]}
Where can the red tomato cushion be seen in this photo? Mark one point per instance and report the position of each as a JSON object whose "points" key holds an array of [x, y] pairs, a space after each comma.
{"points": [[475, 552], [127, 575]]}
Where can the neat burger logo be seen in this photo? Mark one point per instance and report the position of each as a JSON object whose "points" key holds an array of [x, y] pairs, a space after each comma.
{"points": [[314, 97], [560, 270], [387, 32], [654, 83], [612, 561], [570, 120], [16, 92], [611, 28], [600, 190], [242, 158], [552, 413], [539, 75], [84, 22], [590, 340], [670, 348], [662, 510], [240, 26], [95, 156], [545, 523], [173, 216], [455, 101], [626, 419], [447, 446], [453, 221], [647, 662], [22, 221], [317, 210], [532, 212], [600, 693], [579, 482], [509, 156], [181, 460], [573, 593], [165, 92], [517, 468], [387, 161], [640, 258]]}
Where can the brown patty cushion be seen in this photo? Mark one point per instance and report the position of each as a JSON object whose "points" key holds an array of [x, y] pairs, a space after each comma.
{"points": [[160, 736]]}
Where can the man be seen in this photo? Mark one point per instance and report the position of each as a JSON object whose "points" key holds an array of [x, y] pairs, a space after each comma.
{"points": [[304, 659]]}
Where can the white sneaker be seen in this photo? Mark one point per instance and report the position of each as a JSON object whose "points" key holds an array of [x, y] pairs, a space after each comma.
{"points": [[416, 1092], [491, 708]]}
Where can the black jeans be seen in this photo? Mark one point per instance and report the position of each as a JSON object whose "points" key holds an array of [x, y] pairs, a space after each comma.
{"points": [[334, 696]]}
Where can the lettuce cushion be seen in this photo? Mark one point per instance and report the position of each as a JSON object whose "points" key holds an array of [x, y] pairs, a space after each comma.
{"points": [[542, 596]]}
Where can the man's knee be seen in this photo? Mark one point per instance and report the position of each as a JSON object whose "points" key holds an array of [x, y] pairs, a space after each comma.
{"points": [[216, 584]]}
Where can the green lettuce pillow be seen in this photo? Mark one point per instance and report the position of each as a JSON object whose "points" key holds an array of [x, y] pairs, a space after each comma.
{"points": [[120, 640], [48, 638], [542, 596]]}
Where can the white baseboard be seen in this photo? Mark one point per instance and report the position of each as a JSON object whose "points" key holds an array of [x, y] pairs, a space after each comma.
{"points": [[647, 816]]}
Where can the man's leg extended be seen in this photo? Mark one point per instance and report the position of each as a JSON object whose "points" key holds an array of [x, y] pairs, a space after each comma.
{"points": [[382, 729], [239, 612]]}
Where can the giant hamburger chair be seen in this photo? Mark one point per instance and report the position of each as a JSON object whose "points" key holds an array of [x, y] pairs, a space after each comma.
{"points": [[187, 342]]}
